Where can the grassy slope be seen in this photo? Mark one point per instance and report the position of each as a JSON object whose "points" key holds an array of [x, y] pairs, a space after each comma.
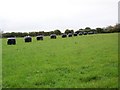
{"points": [[83, 61], [0, 63]]}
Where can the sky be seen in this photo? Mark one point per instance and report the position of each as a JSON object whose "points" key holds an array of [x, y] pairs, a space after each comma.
{"points": [[49, 15], [119, 12]]}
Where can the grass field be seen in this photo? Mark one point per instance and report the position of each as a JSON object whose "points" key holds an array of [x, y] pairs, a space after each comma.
{"points": [[0, 63], [89, 61]]}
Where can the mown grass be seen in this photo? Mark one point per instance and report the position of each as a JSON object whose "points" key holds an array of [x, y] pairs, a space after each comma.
{"points": [[79, 62]]}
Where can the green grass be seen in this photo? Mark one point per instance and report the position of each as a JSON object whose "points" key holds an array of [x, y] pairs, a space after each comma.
{"points": [[89, 61], [0, 63]]}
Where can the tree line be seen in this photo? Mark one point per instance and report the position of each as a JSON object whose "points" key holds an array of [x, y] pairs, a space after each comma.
{"points": [[109, 29]]}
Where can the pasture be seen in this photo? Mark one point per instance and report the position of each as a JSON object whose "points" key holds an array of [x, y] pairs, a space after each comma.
{"points": [[88, 61]]}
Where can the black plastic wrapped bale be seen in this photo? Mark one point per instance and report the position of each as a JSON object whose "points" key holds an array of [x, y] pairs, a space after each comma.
{"points": [[85, 33], [75, 34], [28, 39], [53, 36], [40, 37], [81, 33], [91, 32], [64, 35], [70, 35], [11, 41]]}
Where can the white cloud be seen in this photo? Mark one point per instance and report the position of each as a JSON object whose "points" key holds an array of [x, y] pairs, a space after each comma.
{"points": [[27, 15]]}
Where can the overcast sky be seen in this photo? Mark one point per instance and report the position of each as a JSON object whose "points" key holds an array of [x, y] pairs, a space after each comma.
{"points": [[48, 15]]}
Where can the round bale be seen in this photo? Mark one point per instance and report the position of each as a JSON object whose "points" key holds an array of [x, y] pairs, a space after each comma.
{"points": [[81, 33], [11, 41], [70, 35], [75, 34], [28, 39], [85, 33], [40, 37], [64, 35], [53, 36]]}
